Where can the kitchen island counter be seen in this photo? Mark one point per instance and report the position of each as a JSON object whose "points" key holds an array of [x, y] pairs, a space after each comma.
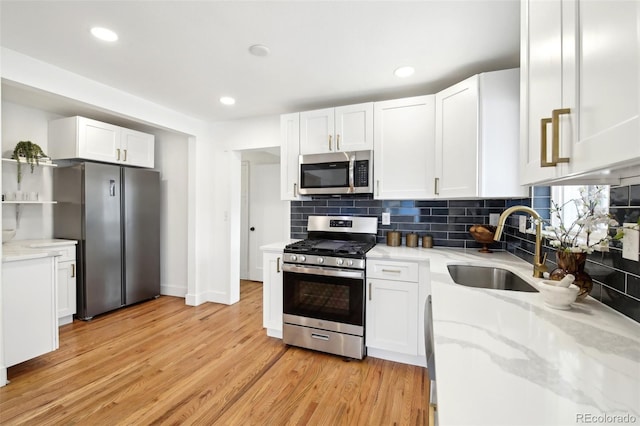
{"points": [[504, 358]]}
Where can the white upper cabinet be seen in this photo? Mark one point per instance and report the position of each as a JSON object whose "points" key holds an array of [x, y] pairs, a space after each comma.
{"points": [[404, 148], [289, 151], [138, 149], [83, 138], [346, 128], [580, 89], [476, 142]]}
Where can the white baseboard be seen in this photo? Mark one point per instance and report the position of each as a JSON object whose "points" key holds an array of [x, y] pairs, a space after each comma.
{"points": [[173, 290]]}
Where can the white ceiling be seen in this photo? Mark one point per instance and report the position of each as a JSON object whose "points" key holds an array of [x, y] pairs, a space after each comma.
{"points": [[185, 55]]}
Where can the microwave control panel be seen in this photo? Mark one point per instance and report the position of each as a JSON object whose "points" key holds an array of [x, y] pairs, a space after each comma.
{"points": [[361, 173]]}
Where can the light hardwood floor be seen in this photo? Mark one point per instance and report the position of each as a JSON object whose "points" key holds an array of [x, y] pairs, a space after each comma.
{"points": [[164, 363]]}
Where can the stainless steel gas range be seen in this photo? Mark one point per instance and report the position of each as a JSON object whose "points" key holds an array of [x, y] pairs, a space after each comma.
{"points": [[324, 285]]}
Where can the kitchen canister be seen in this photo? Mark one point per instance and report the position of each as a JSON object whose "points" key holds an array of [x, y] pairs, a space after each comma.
{"points": [[427, 241], [412, 240], [394, 238]]}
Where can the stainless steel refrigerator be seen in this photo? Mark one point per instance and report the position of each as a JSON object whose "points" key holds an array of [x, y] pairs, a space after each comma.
{"points": [[114, 213]]}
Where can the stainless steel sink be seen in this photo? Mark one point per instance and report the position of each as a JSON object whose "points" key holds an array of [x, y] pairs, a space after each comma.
{"points": [[488, 277]]}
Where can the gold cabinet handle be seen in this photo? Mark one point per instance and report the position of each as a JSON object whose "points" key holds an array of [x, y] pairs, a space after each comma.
{"points": [[295, 189], [555, 126], [395, 271], [436, 186], [337, 142], [369, 291], [73, 270], [543, 143], [330, 142], [118, 152], [378, 187], [278, 265], [125, 155]]}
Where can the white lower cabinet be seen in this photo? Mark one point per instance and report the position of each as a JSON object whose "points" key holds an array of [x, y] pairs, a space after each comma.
{"points": [[392, 316], [66, 291], [395, 293], [272, 293], [29, 324]]}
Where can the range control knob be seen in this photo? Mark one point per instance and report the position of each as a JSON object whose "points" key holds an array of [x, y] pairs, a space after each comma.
{"points": [[303, 258], [350, 262], [339, 262], [294, 257], [321, 260]]}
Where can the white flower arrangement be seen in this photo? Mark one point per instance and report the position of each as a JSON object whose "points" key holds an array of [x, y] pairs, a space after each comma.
{"points": [[589, 230]]}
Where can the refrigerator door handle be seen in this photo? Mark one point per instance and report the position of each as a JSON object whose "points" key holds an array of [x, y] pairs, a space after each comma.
{"points": [[112, 188]]}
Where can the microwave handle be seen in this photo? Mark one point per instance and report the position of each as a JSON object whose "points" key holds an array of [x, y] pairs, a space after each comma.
{"points": [[352, 168]]}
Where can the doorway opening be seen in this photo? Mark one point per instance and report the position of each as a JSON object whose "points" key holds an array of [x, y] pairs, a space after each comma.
{"points": [[264, 217]]}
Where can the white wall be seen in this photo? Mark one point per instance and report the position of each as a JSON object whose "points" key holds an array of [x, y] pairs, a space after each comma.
{"points": [[21, 123], [234, 137], [249, 133], [171, 160]]}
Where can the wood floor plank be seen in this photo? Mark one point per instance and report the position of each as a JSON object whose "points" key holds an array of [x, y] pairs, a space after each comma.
{"points": [[162, 362]]}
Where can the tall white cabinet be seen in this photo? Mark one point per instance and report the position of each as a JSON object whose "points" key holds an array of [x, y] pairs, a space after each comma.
{"points": [[580, 110], [404, 148], [477, 128]]}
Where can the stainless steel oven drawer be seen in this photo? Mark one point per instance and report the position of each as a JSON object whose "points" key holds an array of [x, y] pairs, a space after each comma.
{"points": [[325, 341]]}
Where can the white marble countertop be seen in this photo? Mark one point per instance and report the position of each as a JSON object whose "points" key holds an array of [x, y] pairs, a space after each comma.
{"points": [[504, 358], [277, 246], [17, 250]]}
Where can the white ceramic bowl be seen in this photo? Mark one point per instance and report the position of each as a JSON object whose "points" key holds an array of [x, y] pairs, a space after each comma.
{"points": [[8, 234], [558, 297]]}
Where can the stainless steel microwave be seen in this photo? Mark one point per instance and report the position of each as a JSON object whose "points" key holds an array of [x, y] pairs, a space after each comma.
{"points": [[336, 173]]}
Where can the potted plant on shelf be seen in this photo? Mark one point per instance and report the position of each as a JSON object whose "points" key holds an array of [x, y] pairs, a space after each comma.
{"points": [[28, 152]]}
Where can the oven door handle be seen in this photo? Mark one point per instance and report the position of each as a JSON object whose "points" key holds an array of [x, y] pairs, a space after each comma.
{"points": [[316, 270]]}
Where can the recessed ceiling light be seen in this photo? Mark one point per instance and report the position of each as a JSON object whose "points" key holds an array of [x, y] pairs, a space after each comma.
{"points": [[404, 72], [259, 50], [104, 34], [227, 100]]}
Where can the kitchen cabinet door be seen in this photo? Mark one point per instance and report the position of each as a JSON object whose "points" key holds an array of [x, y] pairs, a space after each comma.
{"points": [[317, 131], [541, 85], [137, 148], [404, 148], [580, 89], [98, 141], [354, 127], [289, 152], [340, 129], [66, 291], [392, 316], [29, 319], [477, 128], [603, 92], [272, 293]]}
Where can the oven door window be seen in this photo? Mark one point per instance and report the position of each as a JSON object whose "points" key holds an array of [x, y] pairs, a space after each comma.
{"points": [[325, 175], [329, 298]]}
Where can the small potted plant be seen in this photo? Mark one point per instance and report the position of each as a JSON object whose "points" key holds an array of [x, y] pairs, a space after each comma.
{"points": [[28, 152]]}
